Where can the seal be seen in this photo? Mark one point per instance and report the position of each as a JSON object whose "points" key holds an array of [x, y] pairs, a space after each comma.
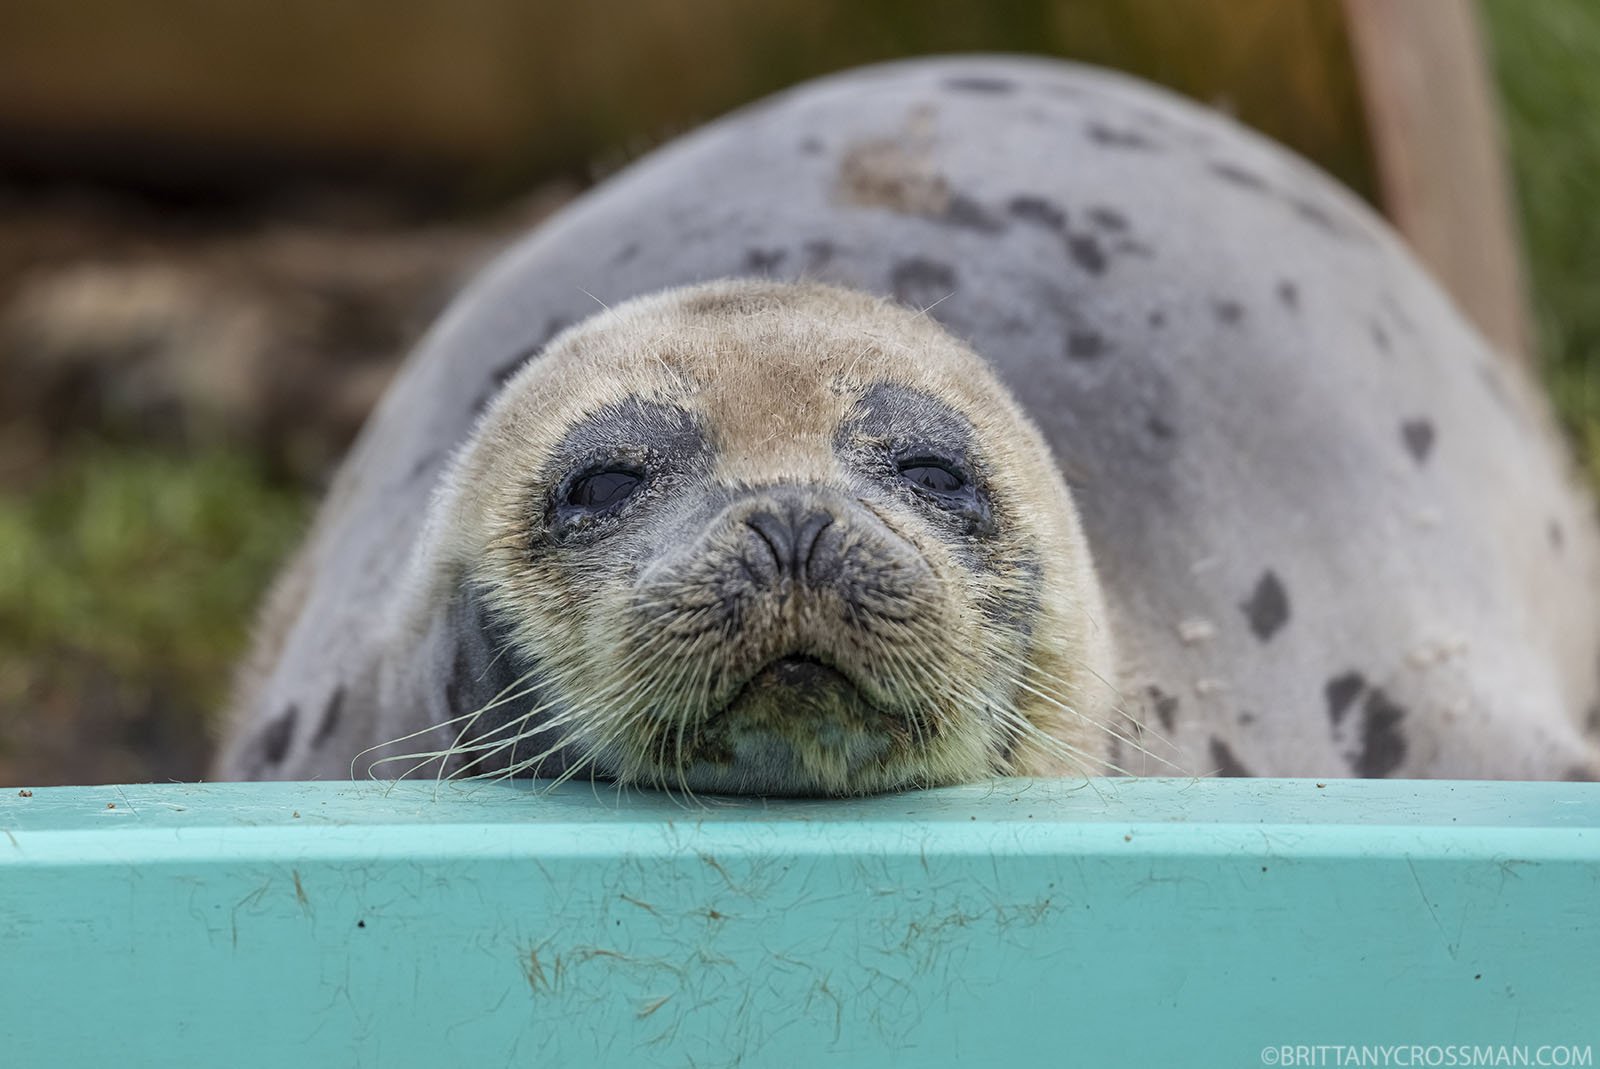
{"points": [[1264, 503], [756, 537]]}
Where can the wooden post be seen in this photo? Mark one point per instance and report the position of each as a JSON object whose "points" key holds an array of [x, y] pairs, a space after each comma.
{"points": [[1442, 177]]}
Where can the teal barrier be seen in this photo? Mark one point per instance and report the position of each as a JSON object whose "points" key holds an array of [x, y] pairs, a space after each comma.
{"points": [[1149, 922]]}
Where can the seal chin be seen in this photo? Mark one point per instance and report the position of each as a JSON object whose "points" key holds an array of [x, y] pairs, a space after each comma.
{"points": [[798, 727]]}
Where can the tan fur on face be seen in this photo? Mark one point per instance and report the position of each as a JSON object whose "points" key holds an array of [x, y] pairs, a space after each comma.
{"points": [[771, 371]]}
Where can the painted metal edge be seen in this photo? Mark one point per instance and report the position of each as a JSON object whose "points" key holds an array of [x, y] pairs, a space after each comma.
{"points": [[1123, 922]]}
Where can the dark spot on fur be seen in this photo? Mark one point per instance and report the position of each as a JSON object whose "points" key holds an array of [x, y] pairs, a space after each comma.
{"points": [[966, 212], [1268, 607], [811, 146], [330, 717], [1108, 219], [1086, 344], [1341, 691], [1489, 375], [503, 374], [977, 83], [1166, 706], [1227, 763], [1316, 215], [1289, 294], [1557, 537], [1380, 337], [1117, 756], [819, 253], [460, 682], [1591, 721], [1229, 312], [425, 462], [1581, 774], [1084, 249], [717, 304], [1086, 252], [1157, 319], [1238, 176], [1160, 428], [919, 282], [1111, 137], [1397, 313], [1418, 436], [273, 743], [1153, 119], [1383, 747], [763, 261], [626, 253], [1032, 209], [486, 668]]}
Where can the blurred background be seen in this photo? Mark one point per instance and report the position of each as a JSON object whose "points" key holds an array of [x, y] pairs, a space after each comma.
{"points": [[222, 225]]}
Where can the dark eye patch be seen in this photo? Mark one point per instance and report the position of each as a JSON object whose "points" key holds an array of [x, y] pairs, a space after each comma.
{"points": [[611, 457], [925, 446], [896, 413]]}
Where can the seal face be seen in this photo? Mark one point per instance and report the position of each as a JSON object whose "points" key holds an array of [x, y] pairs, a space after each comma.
{"points": [[772, 538]]}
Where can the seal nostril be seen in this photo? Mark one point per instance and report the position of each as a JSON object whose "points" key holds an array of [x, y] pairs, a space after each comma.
{"points": [[807, 538], [790, 542], [772, 535]]}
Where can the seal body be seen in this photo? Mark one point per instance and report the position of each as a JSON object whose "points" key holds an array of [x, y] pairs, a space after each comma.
{"points": [[1334, 533]]}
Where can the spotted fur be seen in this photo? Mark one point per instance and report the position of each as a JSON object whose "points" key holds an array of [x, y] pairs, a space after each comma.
{"points": [[1318, 506]]}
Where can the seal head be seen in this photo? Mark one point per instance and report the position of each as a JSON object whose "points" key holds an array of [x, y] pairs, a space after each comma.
{"points": [[772, 538]]}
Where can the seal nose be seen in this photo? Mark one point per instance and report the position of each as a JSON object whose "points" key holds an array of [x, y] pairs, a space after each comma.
{"points": [[790, 543]]}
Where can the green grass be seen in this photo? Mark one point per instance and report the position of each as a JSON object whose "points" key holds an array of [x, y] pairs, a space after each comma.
{"points": [[1547, 58], [146, 563]]}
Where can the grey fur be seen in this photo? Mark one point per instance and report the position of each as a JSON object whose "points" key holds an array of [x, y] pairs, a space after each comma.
{"points": [[1260, 400]]}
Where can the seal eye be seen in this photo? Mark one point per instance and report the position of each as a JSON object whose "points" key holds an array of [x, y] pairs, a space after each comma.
{"points": [[932, 475], [600, 490]]}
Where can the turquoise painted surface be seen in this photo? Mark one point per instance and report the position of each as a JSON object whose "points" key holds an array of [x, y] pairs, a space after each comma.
{"points": [[1153, 922]]}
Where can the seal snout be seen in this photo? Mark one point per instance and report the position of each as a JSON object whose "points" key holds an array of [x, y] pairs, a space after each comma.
{"points": [[790, 604], [795, 540]]}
